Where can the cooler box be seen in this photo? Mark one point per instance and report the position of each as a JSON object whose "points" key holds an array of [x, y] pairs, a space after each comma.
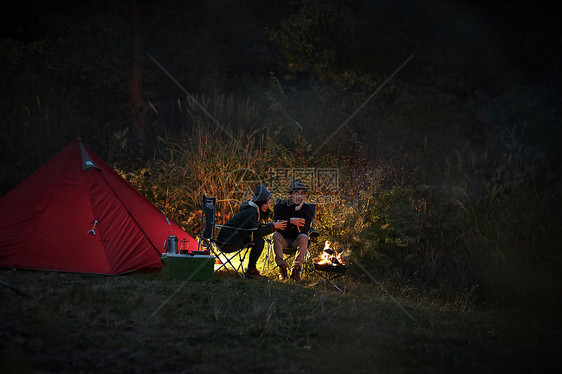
{"points": [[187, 267]]}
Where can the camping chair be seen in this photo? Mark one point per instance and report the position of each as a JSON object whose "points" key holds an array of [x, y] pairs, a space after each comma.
{"points": [[230, 257], [291, 252]]}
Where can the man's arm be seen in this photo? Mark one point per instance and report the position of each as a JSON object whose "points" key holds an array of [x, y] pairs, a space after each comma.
{"points": [[308, 215]]}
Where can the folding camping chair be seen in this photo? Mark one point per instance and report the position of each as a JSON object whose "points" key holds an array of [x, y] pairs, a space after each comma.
{"points": [[291, 252], [231, 258]]}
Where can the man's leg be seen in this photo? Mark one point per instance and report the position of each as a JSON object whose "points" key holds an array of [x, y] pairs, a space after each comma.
{"points": [[301, 242], [279, 243]]}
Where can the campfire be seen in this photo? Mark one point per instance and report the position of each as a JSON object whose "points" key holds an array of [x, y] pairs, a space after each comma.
{"points": [[330, 260], [330, 265]]}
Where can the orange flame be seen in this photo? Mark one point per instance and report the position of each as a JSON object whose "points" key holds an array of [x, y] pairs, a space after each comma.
{"points": [[329, 258]]}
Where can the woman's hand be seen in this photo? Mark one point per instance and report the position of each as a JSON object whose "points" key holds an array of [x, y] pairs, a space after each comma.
{"points": [[280, 225]]}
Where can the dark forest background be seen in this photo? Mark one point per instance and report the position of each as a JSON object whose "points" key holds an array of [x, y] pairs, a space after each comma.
{"points": [[449, 175]]}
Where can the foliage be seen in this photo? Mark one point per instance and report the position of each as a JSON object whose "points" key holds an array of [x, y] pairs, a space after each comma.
{"points": [[477, 228], [215, 157], [303, 38]]}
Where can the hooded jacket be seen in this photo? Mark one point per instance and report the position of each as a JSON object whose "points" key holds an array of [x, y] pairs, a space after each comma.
{"points": [[247, 218]]}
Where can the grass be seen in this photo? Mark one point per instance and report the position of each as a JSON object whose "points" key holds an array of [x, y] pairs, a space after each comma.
{"points": [[79, 323]]}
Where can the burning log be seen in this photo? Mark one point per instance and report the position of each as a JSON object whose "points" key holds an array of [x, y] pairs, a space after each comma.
{"points": [[330, 260], [330, 265]]}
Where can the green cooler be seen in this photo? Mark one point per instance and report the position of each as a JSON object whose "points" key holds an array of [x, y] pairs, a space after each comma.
{"points": [[195, 267]]}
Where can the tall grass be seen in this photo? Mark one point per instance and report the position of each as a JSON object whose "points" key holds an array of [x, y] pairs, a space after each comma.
{"points": [[29, 136], [213, 157], [495, 218], [477, 226]]}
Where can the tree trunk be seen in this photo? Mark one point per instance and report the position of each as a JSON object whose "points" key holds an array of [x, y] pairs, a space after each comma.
{"points": [[139, 107]]}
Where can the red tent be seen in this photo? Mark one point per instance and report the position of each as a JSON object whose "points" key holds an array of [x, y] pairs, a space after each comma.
{"points": [[76, 214]]}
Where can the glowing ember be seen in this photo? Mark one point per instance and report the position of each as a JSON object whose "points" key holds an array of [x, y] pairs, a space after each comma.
{"points": [[329, 256]]}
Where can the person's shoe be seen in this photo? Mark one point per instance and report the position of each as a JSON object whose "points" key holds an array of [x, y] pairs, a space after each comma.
{"points": [[254, 274], [296, 274], [283, 272]]}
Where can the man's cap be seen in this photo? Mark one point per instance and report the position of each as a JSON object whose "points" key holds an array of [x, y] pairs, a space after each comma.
{"points": [[297, 185]]}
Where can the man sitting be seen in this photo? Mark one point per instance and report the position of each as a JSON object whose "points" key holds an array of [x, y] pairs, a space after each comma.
{"points": [[299, 217]]}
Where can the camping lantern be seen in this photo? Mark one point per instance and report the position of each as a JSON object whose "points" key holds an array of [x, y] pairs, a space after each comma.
{"points": [[171, 244]]}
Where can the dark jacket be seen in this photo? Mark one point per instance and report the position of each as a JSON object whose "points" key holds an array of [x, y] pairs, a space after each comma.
{"points": [[246, 218], [284, 211]]}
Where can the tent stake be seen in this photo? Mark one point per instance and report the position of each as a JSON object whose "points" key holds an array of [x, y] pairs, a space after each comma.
{"points": [[13, 288]]}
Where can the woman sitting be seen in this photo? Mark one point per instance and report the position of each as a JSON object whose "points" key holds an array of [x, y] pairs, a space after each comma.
{"points": [[232, 238]]}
